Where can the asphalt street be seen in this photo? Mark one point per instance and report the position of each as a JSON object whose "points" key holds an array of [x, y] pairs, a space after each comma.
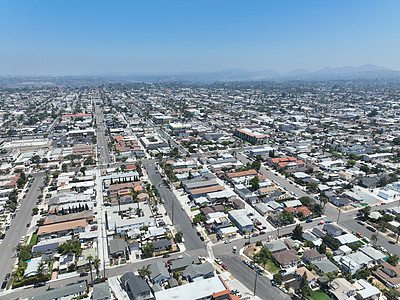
{"points": [[102, 144], [18, 226], [173, 144], [246, 276], [179, 217]]}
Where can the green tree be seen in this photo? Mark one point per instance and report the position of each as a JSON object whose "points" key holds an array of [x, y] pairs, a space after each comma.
{"points": [[144, 272], [365, 212], [96, 264], [41, 268], [374, 238], [255, 185], [64, 168], [322, 248], [90, 259], [148, 249], [305, 290], [365, 169], [393, 259], [298, 232], [278, 278], [392, 294], [179, 237]]}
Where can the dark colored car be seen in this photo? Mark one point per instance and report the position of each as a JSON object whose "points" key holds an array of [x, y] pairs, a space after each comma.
{"points": [[8, 275], [201, 238], [4, 284], [39, 284], [83, 274]]}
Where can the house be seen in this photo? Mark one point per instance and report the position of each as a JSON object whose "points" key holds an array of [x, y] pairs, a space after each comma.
{"points": [[159, 272], [276, 246], [66, 261], [341, 289], [74, 227], [65, 292], [101, 291], [117, 247], [136, 287], [369, 182], [287, 258], [241, 220], [204, 270], [32, 267], [339, 202], [162, 245], [388, 195], [354, 261], [181, 264], [345, 239], [211, 288], [367, 292], [311, 256], [389, 274], [326, 266], [332, 230], [300, 272], [376, 256]]}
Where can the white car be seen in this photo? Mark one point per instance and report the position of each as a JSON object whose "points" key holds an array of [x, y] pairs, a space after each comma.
{"points": [[227, 242]]}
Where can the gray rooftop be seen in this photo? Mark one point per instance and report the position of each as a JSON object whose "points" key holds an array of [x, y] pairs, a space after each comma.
{"points": [[61, 292]]}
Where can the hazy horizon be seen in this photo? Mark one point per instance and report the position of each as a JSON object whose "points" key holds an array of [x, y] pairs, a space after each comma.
{"points": [[105, 38]]}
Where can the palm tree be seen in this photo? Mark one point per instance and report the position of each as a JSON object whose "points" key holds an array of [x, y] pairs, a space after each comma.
{"points": [[96, 264], [374, 238], [90, 259], [41, 268], [144, 272], [323, 201]]}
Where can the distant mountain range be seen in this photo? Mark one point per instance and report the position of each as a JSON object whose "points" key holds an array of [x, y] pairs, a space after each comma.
{"points": [[328, 73], [364, 72]]}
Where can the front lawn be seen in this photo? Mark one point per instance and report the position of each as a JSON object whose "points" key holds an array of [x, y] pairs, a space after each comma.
{"points": [[271, 267], [319, 295]]}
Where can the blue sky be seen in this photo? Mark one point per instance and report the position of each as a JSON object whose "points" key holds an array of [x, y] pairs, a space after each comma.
{"points": [[103, 37]]}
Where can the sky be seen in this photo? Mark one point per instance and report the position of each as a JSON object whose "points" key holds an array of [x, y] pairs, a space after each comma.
{"points": [[119, 37]]}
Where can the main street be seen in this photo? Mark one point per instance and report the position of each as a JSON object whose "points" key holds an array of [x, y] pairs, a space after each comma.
{"points": [[18, 226], [102, 144], [179, 217]]}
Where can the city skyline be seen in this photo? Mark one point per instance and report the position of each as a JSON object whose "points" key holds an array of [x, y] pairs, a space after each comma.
{"points": [[98, 38]]}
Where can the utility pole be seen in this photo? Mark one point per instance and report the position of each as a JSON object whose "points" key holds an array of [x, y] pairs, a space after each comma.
{"points": [[173, 206], [255, 279]]}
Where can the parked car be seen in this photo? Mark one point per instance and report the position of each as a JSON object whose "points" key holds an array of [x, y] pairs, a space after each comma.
{"points": [[309, 221], [4, 284], [218, 261], [83, 274], [274, 283], [225, 267], [371, 228], [39, 284]]}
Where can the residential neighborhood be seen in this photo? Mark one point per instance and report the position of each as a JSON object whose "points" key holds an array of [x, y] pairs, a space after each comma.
{"points": [[200, 192]]}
